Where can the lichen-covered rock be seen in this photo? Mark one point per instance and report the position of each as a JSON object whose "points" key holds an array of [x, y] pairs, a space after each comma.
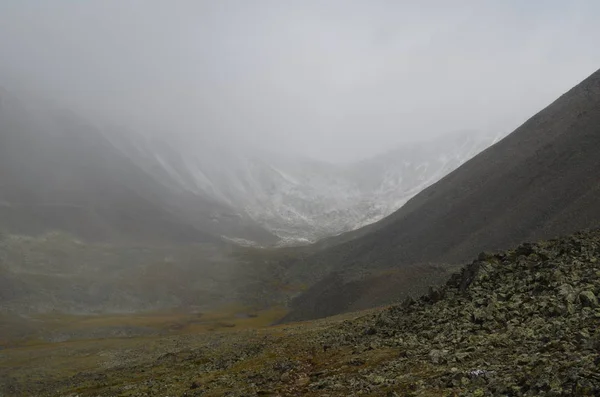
{"points": [[438, 356], [588, 299]]}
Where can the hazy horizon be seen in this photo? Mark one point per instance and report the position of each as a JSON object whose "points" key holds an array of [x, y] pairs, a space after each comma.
{"points": [[337, 80]]}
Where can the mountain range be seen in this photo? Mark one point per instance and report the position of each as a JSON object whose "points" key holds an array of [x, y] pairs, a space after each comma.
{"points": [[60, 172], [301, 200]]}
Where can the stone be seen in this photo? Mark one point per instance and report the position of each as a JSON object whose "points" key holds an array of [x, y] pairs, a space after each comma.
{"points": [[302, 381], [438, 356], [479, 393], [588, 299], [370, 331]]}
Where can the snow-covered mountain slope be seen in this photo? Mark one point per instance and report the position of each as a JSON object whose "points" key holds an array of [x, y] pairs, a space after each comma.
{"points": [[105, 177], [301, 200], [388, 181]]}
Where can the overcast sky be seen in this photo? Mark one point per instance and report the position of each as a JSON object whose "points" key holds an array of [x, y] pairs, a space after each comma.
{"points": [[337, 80]]}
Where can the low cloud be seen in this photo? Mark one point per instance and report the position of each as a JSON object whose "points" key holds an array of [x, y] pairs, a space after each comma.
{"points": [[336, 80]]}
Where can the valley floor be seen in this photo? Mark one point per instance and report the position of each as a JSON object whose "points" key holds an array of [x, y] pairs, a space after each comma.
{"points": [[521, 323], [210, 358], [236, 359]]}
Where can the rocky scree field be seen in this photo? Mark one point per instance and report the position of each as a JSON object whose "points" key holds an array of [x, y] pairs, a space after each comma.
{"points": [[524, 322]]}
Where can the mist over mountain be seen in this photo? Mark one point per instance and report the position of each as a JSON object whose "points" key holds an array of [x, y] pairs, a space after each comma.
{"points": [[61, 173], [106, 184], [102, 219], [336, 81], [298, 199]]}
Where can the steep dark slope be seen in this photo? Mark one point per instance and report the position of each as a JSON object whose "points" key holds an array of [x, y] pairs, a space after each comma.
{"points": [[539, 182]]}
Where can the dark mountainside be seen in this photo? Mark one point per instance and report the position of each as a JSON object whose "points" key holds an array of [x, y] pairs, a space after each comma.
{"points": [[524, 322], [59, 173], [541, 181]]}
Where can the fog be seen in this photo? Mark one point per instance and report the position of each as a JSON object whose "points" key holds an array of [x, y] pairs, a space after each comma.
{"points": [[335, 80]]}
